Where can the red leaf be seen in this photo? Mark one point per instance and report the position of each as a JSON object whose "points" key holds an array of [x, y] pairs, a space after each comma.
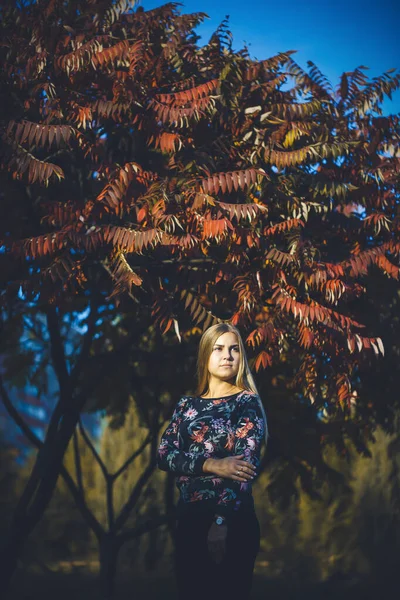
{"points": [[229, 184]]}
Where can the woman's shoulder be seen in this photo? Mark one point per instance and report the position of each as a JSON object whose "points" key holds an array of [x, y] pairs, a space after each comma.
{"points": [[248, 396], [185, 398], [181, 403]]}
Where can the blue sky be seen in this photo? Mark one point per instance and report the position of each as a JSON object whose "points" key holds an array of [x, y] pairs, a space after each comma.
{"points": [[336, 35]]}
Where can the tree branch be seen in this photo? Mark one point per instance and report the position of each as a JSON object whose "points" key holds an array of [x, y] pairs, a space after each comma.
{"points": [[93, 449], [110, 503], [75, 492], [135, 495], [143, 479], [86, 346], [57, 348], [132, 458], [16, 417], [78, 466]]}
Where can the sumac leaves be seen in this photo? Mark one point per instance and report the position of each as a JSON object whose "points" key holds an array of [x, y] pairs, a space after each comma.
{"points": [[186, 96], [25, 165], [199, 315], [230, 181], [167, 142], [123, 274], [37, 134], [130, 240], [215, 228], [115, 55]]}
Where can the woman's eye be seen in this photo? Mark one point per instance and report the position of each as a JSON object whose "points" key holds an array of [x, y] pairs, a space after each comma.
{"points": [[235, 349]]}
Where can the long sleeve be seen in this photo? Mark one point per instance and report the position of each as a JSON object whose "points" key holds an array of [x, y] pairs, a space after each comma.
{"points": [[170, 456], [248, 437], [250, 430]]}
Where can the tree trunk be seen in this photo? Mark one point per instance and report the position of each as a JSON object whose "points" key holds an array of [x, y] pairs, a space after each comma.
{"points": [[9, 558], [108, 555], [37, 494], [43, 479]]}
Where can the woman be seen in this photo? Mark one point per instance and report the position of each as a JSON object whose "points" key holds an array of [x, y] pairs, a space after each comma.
{"points": [[213, 445]]}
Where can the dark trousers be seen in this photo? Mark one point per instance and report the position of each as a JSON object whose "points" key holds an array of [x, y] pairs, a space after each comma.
{"points": [[198, 577]]}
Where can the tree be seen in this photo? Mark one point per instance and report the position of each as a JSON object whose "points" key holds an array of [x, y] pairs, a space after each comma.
{"points": [[162, 151], [202, 185], [127, 356]]}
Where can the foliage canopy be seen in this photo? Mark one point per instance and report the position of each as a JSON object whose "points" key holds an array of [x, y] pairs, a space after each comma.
{"points": [[208, 185]]}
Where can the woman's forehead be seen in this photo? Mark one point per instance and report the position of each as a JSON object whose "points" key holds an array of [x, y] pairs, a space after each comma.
{"points": [[226, 338]]}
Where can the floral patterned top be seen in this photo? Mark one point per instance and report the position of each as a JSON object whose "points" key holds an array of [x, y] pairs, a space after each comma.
{"points": [[203, 428]]}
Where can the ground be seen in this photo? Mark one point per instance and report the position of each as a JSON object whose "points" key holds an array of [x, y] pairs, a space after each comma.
{"points": [[61, 586]]}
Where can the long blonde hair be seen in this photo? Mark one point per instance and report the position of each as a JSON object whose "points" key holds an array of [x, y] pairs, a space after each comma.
{"points": [[244, 378]]}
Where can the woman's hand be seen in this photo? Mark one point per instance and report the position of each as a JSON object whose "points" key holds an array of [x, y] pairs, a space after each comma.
{"points": [[216, 541], [229, 467]]}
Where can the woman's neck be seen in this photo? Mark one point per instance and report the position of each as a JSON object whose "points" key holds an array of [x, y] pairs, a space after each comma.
{"points": [[216, 390]]}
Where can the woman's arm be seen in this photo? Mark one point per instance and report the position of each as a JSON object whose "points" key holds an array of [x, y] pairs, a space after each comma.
{"points": [[248, 437], [250, 430], [169, 455]]}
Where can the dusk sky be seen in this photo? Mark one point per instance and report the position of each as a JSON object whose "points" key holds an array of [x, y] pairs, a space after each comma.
{"points": [[336, 35]]}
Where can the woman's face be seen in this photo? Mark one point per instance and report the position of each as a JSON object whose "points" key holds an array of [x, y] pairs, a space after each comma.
{"points": [[226, 351]]}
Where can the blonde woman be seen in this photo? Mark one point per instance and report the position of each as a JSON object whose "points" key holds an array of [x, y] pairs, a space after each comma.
{"points": [[213, 445]]}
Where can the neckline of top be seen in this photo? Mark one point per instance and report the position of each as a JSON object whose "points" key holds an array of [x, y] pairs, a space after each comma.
{"points": [[221, 397]]}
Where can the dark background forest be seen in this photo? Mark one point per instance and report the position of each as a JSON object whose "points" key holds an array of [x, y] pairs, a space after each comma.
{"points": [[152, 186]]}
